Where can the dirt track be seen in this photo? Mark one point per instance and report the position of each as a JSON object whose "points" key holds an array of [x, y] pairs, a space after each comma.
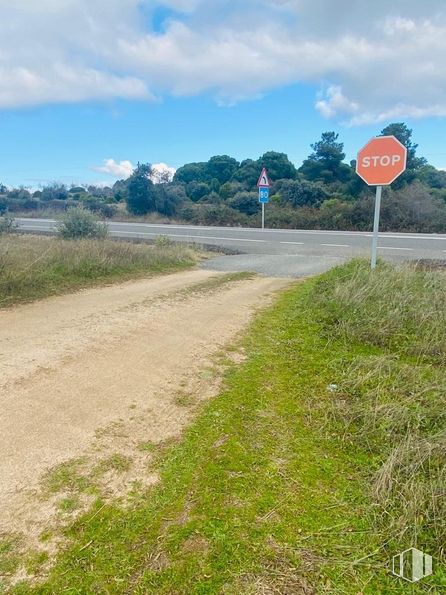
{"points": [[72, 367]]}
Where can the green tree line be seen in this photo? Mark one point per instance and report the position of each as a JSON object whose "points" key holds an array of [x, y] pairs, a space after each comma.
{"points": [[323, 193]]}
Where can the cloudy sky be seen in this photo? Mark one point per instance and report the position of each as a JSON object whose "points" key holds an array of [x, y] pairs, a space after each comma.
{"points": [[89, 87]]}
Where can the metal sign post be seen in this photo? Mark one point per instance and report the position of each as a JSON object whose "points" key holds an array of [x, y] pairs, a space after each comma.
{"points": [[379, 163], [263, 199], [379, 190], [263, 185]]}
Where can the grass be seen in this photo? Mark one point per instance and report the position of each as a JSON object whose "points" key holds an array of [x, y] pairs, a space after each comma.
{"points": [[116, 462], [321, 459], [68, 477], [33, 267]]}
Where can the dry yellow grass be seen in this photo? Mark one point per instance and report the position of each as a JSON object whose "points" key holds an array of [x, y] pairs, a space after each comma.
{"points": [[32, 267]]}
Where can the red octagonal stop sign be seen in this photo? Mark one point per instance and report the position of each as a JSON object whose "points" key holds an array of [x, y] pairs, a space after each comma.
{"points": [[381, 161]]}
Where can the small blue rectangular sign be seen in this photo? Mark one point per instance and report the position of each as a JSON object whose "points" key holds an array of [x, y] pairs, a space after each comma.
{"points": [[264, 195]]}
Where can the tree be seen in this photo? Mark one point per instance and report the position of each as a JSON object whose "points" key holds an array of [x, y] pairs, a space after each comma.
{"points": [[192, 172], [197, 190], [325, 164], [222, 168], [141, 193], [169, 197], [301, 193], [404, 135], [19, 193], [414, 163], [248, 173], [120, 190], [230, 189], [278, 165], [100, 191], [54, 191], [3, 189]]}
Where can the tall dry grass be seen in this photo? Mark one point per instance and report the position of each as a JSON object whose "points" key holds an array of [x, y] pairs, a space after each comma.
{"points": [[33, 267], [392, 398], [399, 308]]}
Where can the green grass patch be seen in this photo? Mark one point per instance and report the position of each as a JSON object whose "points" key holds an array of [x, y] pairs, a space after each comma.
{"points": [[69, 504], [66, 477], [33, 267], [300, 476], [115, 462], [9, 556]]}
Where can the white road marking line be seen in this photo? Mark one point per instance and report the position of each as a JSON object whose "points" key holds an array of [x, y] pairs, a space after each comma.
{"points": [[393, 248], [296, 243], [171, 235], [363, 234], [185, 236], [337, 245]]}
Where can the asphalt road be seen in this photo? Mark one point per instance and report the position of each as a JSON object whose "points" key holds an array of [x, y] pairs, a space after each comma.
{"points": [[278, 252]]}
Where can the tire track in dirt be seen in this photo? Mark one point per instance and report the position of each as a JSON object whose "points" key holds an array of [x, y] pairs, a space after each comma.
{"points": [[75, 368]]}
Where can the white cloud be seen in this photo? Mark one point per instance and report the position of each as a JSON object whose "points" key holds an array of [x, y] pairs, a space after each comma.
{"points": [[381, 60], [335, 102], [121, 169]]}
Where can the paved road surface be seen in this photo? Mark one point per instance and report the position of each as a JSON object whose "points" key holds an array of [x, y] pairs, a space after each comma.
{"points": [[278, 252]]}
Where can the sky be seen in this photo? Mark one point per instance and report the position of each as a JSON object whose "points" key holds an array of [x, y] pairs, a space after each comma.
{"points": [[90, 87]]}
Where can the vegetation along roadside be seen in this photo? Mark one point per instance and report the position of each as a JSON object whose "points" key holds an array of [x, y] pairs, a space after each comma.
{"points": [[323, 193], [322, 457], [33, 267]]}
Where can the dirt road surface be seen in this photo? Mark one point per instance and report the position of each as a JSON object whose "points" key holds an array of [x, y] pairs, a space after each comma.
{"points": [[99, 371]]}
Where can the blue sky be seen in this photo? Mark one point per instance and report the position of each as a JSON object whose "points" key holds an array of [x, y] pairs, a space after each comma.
{"points": [[182, 80]]}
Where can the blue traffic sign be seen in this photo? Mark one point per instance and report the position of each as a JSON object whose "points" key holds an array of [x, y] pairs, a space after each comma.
{"points": [[264, 195]]}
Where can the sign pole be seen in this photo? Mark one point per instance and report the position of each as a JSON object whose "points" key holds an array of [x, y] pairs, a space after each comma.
{"points": [[263, 185], [379, 164], [376, 225]]}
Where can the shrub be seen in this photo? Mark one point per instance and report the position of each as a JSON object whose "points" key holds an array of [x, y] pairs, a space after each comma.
{"points": [[163, 241], [299, 193], [80, 223], [245, 202], [7, 224], [3, 205], [98, 206], [209, 214], [54, 191]]}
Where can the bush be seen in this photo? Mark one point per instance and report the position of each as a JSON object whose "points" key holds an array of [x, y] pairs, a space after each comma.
{"points": [[245, 202], [163, 242], [3, 205], [54, 191], [80, 223], [299, 193], [98, 206], [7, 224], [209, 214]]}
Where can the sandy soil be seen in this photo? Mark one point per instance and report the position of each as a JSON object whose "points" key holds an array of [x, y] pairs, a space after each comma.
{"points": [[97, 372]]}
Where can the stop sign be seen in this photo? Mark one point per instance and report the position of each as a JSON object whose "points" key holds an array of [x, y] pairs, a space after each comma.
{"points": [[381, 161]]}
